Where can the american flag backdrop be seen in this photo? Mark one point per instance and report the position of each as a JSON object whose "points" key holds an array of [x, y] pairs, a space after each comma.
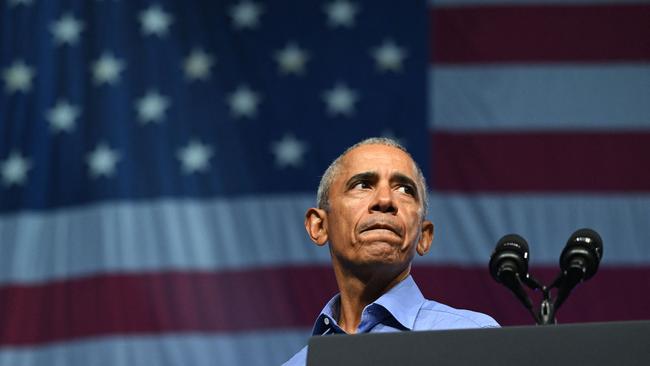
{"points": [[157, 158]]}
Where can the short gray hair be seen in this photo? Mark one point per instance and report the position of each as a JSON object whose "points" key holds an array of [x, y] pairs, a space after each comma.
{"points": [[322, 197]]}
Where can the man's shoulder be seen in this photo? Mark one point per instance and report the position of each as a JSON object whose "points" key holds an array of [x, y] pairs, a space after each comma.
{"points": [[437, 316]]}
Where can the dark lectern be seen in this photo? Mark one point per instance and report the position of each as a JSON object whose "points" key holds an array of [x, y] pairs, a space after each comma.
{"points": [[621, 343]]}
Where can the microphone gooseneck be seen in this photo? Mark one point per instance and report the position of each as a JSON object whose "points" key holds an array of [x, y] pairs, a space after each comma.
{"points": [[579, 262]]}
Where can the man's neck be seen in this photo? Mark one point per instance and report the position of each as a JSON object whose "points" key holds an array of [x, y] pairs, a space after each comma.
{"points": [[360, 289]]}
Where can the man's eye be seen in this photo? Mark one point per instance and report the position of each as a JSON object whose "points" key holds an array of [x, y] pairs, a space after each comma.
{"points": [[361, 185], [406, 189]]}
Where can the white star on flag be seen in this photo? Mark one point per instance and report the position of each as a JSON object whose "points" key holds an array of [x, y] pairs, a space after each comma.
{"points": [[62, 116], [291, 59], [102, 160], [107, 69], [389, 56], [18, 77], [246, 14], [288, 151], [197, 65], [66, 29], [195, 157], [243, 102], [151, 107], [341, 13], [340, 100], [14, 169], [154, 20]]}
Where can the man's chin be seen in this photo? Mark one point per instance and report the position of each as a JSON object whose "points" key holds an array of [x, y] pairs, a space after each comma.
{"points": [[374, 263], [381, 252]]}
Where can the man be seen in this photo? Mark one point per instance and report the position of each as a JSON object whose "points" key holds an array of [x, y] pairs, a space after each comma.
{"points": [[372, 203]]}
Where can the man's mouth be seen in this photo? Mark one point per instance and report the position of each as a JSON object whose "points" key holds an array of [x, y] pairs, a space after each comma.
{"points": [[381, 226]]}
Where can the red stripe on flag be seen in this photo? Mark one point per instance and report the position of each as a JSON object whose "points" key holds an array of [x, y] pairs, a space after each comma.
{"points": [[163, 302], [611, 295], [506, 162], [540, 33], [257, 299]]}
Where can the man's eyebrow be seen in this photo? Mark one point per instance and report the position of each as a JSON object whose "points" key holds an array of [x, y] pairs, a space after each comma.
{"points": [[365, 176]]}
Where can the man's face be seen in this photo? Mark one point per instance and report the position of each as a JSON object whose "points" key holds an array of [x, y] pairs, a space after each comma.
{"points": [[375, 209]]}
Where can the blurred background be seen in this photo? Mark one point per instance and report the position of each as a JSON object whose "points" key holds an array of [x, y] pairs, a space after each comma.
{"points": [[157, 157]]}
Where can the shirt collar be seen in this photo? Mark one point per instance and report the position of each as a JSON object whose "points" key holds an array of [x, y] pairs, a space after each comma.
{"points": [[403, 302], [327, 318]]}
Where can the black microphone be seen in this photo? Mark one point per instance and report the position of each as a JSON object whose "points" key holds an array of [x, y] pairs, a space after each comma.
{"points": [[579, 261], [509, 265]]}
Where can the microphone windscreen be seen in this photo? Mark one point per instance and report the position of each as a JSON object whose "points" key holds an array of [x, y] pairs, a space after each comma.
{"points": [[512, 242], [583, 250], [510, 253], [587, 237]]}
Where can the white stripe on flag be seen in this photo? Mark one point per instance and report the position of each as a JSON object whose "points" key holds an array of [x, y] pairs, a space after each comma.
{"points": [[468, 226], [157, 235], [539, 98], [244, 233], [249, 349]]}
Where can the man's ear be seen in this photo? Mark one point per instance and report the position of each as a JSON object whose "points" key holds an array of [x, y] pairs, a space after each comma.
{"points": [[426, 237], [316, 225]]}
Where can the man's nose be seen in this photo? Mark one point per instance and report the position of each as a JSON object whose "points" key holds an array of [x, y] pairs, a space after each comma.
{"points": [[383, 200]]}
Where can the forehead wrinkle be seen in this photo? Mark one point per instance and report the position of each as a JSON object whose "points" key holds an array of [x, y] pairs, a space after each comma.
{"points": [[346, 165]]}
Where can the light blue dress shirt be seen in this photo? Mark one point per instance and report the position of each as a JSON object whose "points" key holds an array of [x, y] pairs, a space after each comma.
{"points": [[401, 308]]}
